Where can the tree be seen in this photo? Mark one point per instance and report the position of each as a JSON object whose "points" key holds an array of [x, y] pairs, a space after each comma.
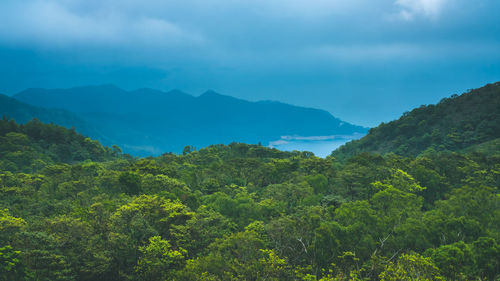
{"points": [[201, 230], [11, 266], [487, 258], [455, 261], [158, 261], [134, 223], [410, 267], [9, 225], [130, 183]]}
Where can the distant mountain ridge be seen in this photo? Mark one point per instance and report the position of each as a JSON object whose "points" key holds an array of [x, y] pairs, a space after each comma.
{"points": [[455, 123], [147, 121], [22, 113]]}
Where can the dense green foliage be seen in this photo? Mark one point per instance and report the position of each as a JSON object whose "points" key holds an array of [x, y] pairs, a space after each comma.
{"points": [[453, 124], [29, 147], [71, 209]]}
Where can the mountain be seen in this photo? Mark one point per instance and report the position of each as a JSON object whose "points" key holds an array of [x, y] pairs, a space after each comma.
{"points": [[147, 121], [72, 209], [455, 123], [22, 113]]}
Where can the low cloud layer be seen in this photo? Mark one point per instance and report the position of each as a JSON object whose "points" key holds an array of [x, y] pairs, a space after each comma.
{"points": [[169, 23], [428, 8], [54, 24], [364, 61]]}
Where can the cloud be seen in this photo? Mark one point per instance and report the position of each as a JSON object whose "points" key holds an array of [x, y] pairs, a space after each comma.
{"points": [[218, 24], [328, 54], [412, 8], [286, 139], [308, 10], [366, 52], [52, 23]]}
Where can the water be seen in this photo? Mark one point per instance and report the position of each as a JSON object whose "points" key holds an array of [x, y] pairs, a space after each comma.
{"points": [[321, 146]]}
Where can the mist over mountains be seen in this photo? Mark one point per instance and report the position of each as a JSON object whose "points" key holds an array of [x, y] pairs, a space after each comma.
{"points": [[151, 122]]}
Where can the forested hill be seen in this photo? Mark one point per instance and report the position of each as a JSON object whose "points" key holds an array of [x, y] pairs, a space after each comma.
{"points": [[147, 121], [73, 210], [241, 212], [34, 145], [453, 124]]}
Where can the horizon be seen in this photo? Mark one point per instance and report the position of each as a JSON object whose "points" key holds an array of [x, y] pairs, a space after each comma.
{"points": [[90, 106], [239, 98]]}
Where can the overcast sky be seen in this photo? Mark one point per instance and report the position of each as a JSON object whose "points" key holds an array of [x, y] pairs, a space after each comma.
{"points": [[365, 61]]}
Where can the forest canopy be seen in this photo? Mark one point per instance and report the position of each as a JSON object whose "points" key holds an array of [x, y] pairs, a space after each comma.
{"points": [[72, 209]]}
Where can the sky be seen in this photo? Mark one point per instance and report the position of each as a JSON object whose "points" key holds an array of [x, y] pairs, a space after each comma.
{"points": [[364, 61]]}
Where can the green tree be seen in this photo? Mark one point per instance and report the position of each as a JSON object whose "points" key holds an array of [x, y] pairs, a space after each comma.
{"points": [[130, 183], [9, 225], [11, 266], [455, 261], [158, 261], [487, 258], [410, 267]]}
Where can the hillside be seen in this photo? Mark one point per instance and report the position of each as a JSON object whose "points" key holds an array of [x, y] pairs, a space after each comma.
{"points": [[147, 121], [453, 124], [23, 112], [73, 210], [34, 145]]}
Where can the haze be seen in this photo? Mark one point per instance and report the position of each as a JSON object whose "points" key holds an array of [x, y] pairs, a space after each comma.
{"points": [[363, 61]]}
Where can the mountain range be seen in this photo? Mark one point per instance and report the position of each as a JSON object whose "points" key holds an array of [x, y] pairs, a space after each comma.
{"points": [[150, 122], [72, 209]]}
